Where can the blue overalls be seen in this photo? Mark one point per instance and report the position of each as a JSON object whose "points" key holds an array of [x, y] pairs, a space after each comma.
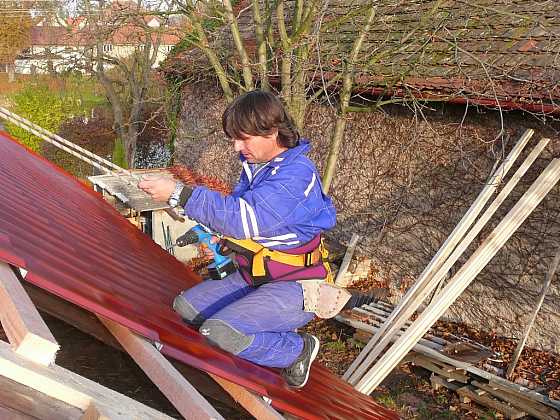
{"points": [[281, 206]]}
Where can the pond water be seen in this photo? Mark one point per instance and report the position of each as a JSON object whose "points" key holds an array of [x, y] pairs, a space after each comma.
{"points": [[152, 155]]}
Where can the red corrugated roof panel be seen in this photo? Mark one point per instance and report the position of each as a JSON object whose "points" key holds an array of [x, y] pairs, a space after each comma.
{"points": [[75, 245]]}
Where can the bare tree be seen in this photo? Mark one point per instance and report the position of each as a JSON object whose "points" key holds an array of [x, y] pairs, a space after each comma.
{"points": [[119, 43], [303, 49], [283, 37], [15, 32]]}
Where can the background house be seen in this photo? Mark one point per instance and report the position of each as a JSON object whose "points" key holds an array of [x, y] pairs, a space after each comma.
{"points": [[65, 46]]}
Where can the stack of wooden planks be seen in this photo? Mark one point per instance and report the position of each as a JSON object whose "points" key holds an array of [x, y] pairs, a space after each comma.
{"points": [[465, 378], [400, 333]]}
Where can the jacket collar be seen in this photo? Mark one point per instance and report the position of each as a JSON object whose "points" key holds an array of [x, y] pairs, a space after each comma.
{"points": [[303, 147]]}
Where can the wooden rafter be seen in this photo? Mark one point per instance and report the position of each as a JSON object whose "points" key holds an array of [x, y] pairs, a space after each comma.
{"points": [[253, 403], [32, 385], [24, 327], [186, 399]]}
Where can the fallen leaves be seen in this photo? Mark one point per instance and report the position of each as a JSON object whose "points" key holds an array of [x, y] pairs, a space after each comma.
{"points": [[190, 177]]}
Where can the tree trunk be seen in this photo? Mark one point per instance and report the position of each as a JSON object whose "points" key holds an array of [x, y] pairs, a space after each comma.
{"points": [[130, 145], [11, 72], [238, 42], [345, 94]]}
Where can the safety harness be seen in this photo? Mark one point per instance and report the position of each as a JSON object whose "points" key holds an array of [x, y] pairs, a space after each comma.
{"points": [[262, 265]]}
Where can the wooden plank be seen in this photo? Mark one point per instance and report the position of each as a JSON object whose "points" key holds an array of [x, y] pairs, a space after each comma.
{"points": [[468, 394], [31, 402], [501, 383], [437, 277], [382, 315], [172, 384], [24, 327], [73, 389], [446, 373], [490, 246], [425, 284], [374, 328], [540, 411], [340, 279], [494, 381], [252, 402], [438, 382]]}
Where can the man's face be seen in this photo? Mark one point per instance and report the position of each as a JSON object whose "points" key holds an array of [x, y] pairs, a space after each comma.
{"points": [[257, 149]]}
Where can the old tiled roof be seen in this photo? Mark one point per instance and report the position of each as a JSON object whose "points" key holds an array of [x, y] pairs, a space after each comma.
{"points": [[75, 245], [475, 51]]}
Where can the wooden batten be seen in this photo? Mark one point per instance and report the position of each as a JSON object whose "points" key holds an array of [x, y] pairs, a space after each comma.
{"points": [[172, 384], [24, 327], [70, 388], [468, 394], [25, 401], [427, 281]]}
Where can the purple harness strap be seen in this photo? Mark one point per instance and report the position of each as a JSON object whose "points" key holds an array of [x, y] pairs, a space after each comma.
{"points": [[278, 271]]}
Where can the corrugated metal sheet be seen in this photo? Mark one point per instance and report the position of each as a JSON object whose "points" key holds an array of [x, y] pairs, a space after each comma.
{"points": [[75, 245]]}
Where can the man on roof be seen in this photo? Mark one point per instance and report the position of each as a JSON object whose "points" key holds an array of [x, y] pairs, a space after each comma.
{"points": [[276, 211]]}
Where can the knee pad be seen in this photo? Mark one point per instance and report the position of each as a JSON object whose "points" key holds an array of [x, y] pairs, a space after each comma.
{"points": [[188, 312], [226, 337]]}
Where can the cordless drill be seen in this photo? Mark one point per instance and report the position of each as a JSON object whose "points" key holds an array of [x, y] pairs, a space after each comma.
{"points": [[222, 265]]}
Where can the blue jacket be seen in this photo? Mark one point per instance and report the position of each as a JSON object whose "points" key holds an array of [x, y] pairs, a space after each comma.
{"points": [[280, 205]]}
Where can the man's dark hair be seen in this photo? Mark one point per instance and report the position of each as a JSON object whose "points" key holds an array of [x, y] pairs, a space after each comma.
{"points": [[258, 113]]}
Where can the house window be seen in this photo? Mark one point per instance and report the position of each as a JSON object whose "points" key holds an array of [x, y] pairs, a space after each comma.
{"points": [[107, 48]]}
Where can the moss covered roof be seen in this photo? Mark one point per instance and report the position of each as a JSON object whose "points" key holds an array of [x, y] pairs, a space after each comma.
{"points": [[459, 50]]}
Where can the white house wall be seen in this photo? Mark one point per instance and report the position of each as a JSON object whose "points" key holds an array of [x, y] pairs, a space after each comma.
{"points": [[68, 58]]}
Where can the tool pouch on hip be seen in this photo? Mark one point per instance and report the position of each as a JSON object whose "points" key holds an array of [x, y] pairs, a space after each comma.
{"points": [[324, 299]]}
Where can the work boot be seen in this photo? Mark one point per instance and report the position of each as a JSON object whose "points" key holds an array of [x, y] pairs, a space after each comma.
{"points": [[297, 374]]}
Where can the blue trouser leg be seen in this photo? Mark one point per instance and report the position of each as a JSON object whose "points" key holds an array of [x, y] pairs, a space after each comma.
{"points": [[256, 324], [269, 314], [208, 297]]}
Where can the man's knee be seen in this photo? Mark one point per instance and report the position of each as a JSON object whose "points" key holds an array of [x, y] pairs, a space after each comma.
{"points": [[187, 311], [223, 335]]}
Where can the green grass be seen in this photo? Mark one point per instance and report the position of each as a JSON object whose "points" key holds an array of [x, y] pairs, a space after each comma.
{"points": [[337, 345], [387, 400]]}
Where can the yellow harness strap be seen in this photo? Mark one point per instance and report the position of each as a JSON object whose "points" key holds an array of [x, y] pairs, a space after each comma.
{"points": [[296, 260]]}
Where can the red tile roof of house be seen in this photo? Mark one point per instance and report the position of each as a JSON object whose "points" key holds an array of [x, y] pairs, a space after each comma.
{"points": [[75, 245], [49, 36]]}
